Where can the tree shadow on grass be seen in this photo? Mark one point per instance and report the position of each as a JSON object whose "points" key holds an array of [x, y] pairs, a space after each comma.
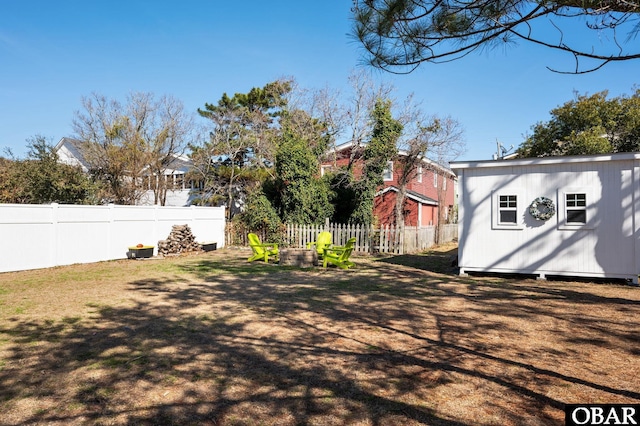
{"points": [[223, 374], [242, 343], [441, 262], [446, 262], [193, 353]]}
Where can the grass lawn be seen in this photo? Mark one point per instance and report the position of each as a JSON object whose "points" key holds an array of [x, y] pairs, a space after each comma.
{"points": [[210, 339]]}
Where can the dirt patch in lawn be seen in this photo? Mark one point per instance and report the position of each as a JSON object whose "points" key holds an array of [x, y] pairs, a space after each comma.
{"points": [[212, 339]]}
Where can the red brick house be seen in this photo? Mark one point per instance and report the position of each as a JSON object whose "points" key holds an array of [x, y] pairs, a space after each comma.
{"points": [[431, 183]]}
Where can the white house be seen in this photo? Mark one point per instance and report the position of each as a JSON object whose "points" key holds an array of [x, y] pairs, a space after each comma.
{"points": [[70, 151], [179, 193], [565, 216]]}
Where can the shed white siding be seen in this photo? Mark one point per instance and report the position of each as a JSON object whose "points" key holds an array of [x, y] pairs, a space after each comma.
{"points": [[605, 246]]}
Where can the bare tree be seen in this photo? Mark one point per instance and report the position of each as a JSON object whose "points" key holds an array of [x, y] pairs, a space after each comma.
{"points": [[430, 143], [365, 94], [422, 137], [169, 128], [113, 160], [128, 144], [345, 120], [448, 145], [326, 106]]}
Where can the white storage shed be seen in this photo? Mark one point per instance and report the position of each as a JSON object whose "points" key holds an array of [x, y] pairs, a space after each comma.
{"points": [[564, 216]]}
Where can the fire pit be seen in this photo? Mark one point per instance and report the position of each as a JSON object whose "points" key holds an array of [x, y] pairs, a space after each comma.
{"points": [[299, 257]]}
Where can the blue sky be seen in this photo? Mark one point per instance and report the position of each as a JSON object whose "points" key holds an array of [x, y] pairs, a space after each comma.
{"points": [[53, 53]]}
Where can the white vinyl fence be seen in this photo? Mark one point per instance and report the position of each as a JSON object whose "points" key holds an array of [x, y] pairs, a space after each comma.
{"points": [[386, 239], [41, 236]]}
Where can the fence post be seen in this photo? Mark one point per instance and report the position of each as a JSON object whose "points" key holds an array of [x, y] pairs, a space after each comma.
{"points": [[335, 234], [53, 255], [384, 242], [110, 227]]}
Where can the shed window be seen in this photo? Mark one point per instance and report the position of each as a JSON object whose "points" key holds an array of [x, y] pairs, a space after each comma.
{"points": [[576, 205], [508, 209]]}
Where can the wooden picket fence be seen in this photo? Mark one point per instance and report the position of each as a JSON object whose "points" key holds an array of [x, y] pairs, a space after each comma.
{"points": [[385, 239]]}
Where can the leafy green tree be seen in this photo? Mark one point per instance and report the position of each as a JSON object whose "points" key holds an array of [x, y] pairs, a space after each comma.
{"points": [[299, 194], [588, 125], [377, 153], [12, 182], [399, 34], [241, 147], [41, 178], [260, 216], [344, 195]]}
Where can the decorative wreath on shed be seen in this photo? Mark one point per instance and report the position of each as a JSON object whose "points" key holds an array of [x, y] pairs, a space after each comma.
{"points": [[542, 208]]}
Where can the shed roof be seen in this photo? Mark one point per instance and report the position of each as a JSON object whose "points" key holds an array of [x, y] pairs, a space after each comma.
{"points": [[537, 161]]}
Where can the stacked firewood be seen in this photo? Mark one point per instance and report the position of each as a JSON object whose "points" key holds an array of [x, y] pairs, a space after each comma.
{"points": [[180, 240]]}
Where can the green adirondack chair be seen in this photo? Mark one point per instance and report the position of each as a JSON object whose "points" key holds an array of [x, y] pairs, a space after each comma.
{"points": [[323, 241], [339, 256], [262, 251]]}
